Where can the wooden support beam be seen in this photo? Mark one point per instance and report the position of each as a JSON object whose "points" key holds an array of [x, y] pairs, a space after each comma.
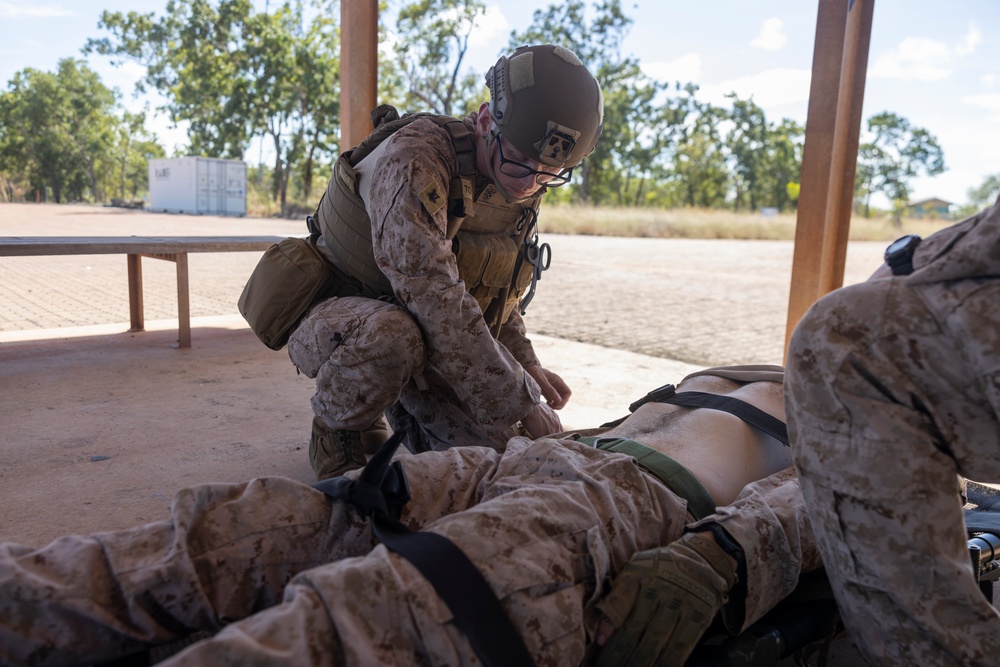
{"points": [[358, 69], [829, 160]]}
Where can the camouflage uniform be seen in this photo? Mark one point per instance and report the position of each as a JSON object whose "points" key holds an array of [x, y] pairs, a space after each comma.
{"points": [[433, 353], [893, 390], [547, 522]]}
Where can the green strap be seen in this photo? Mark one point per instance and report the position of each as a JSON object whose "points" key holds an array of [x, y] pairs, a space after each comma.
{"points": [[677, 478]]}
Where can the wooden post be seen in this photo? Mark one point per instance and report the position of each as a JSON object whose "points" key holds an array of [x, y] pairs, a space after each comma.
{"points": [[358, 69], [829, 159], [135, 292]]}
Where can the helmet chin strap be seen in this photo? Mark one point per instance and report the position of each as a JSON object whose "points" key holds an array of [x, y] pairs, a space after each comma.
{"points": [[490, 138]]}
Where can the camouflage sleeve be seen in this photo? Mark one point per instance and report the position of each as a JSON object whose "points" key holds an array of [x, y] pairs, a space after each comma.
{"points": [[514, 336], [408, 208], [769, 522]]}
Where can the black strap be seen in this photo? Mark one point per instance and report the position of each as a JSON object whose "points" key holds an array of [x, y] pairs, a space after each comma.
{"points": [[753, 416], [380, 492]]}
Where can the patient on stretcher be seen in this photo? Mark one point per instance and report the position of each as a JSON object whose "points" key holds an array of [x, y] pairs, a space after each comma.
{"points": [[282, 574]]}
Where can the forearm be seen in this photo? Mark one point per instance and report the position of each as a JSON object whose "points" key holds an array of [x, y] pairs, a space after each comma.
{"points": [[770, 524]]}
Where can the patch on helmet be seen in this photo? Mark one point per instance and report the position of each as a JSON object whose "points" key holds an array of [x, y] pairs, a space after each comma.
{"points": [[432, 198], [522, 71], [567, 55], [557, 144]]}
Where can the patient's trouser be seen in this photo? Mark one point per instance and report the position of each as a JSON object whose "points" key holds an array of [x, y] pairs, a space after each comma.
{"points": [[546, 524], [886, 405]]}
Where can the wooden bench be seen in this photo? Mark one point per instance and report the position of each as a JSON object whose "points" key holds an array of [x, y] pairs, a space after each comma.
{"points": [[171, 248]]}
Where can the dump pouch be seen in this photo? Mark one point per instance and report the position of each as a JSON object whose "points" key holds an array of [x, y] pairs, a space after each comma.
{"points": [[289, 278]]}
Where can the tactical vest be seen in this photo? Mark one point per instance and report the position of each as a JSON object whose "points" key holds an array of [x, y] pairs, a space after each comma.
{"points": [[489, 235]]}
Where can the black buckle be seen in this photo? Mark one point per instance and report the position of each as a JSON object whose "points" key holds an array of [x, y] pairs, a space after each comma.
{"points": [[657, 395]]}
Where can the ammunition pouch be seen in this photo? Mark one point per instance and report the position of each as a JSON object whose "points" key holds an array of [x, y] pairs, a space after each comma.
{"points": [[289, 278]]}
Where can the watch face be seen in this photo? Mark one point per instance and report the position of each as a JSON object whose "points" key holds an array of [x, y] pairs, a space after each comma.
{"points": [[899, 244]]}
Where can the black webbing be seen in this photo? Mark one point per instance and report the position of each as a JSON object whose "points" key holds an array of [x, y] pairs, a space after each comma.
{"points": [[474, 607], [753, 416], [380, 493]]}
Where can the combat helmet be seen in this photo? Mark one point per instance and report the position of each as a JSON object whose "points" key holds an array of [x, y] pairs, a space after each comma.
{"points": [[546, 104]]}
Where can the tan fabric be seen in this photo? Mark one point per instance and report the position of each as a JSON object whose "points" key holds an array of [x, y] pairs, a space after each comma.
{"points": [[893, 390], [465, 366], [771, 525], [547, 523], [745, 373]]}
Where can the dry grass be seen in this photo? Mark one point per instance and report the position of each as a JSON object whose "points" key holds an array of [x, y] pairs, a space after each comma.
{"points": [[708, 224]]}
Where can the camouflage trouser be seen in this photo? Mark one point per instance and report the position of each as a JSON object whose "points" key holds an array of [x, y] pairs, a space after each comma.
{"points": [[547, 523], [880, 413], [367, 356]]}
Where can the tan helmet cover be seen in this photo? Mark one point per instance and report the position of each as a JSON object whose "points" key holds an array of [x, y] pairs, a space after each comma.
{"points": [[547, 104]]}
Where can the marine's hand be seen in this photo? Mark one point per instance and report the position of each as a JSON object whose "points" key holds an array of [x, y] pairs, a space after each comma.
{"points": [[542, 420], [663, 601], [554, 388]]}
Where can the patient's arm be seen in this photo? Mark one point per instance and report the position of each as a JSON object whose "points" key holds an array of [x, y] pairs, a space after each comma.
{"points": [[666, 598], [769, 522]]}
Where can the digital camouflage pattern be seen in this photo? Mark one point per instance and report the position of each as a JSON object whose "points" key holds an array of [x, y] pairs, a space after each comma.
{"points": [[548, 523], [770, 523], [470, 384], [892, 391]]}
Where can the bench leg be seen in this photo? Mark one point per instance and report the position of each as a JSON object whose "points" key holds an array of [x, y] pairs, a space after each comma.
{"points": [[135, 292], [183, 301]]}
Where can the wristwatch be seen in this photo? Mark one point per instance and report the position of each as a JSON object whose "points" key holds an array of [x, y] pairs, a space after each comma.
{"points": [[899, 254]]}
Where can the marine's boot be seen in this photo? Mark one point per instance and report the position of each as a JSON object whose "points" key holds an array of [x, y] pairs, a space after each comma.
{"points": [[376, 434], [333, 452]]}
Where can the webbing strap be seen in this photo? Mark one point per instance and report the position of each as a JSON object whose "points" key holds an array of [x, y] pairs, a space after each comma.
{"points": [[474, 607], [380, 492], [753, 416], [675, 476]]}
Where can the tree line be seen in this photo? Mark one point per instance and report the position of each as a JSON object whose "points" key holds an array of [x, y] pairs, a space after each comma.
{"points": [[234, 74]]}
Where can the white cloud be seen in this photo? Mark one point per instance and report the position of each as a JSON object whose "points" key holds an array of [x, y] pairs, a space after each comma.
{"points": [[971, 41], [686, 69], [990, 80], [914, 59], [490, 29], [10, 10], [988, 101], [770, 88], [772, 35]]}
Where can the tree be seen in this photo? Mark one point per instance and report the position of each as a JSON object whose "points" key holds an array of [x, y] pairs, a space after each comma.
{"points": [[699, 161], [233, 73], [895, 153], [433, 38], [636, 127], [746, 142], [58, 130], [986, 193]]}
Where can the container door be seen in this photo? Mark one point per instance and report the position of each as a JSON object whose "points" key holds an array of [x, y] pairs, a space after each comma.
{"points": [[202, 171], [235, 202]]}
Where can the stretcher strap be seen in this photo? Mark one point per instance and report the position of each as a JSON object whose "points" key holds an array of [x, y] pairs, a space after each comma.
{"points": [[380, 492], [753, 416]]}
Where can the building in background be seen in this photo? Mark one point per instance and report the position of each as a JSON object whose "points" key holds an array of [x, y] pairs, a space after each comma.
{"points": [[198, 186], [933, 208]]}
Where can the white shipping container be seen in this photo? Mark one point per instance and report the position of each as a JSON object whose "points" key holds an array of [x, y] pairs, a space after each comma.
{"points": [[198, 186]]}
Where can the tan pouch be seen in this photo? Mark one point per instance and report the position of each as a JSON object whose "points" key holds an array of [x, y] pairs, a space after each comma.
{"points": [[289, 278]]}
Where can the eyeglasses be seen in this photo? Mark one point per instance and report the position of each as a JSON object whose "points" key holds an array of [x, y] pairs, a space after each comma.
{"points": [[516, 169]]}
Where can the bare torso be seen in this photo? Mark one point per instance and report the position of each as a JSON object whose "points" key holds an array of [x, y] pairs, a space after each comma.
{"points": [[720, 449]]}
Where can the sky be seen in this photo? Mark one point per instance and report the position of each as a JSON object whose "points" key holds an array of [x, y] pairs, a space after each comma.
{"points": [[936, 64]]}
